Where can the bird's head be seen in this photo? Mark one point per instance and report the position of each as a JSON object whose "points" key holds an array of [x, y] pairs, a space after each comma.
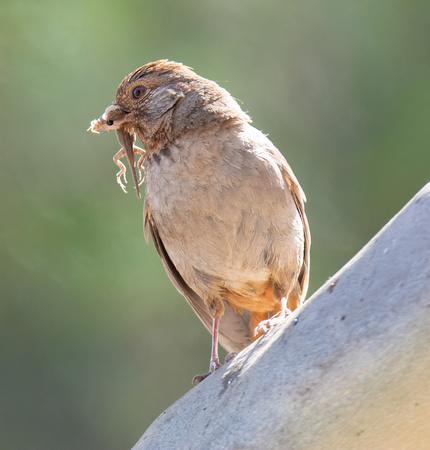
{"points": [[163, 99]]}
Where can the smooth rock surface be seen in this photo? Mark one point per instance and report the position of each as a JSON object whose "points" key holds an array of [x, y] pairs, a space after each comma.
{"points": [[349, 370]]}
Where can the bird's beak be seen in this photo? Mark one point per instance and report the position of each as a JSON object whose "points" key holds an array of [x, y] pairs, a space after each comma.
{"points": [[112, 119]]}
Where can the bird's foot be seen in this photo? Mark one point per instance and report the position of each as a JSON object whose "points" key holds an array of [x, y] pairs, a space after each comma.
{"points": [[229, 357], [265, 325], [214, 365]]}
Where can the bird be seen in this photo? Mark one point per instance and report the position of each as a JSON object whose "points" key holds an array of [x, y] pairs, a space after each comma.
{"points": [[224, 208]]}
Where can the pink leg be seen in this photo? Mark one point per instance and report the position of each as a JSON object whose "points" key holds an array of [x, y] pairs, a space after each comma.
{"points": [[285, 312], [266, 325], [214, 363]]}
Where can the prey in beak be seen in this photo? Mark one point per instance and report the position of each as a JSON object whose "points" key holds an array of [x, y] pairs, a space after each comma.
{"points": [[115, 118]]}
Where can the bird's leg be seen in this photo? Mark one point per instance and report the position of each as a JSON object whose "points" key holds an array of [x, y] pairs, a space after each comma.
{"points": [[214, 363], [285, 311], [266, 325]]}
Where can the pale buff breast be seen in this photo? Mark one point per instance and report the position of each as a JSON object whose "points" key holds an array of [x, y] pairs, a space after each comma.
{"points": [[224, 214]]}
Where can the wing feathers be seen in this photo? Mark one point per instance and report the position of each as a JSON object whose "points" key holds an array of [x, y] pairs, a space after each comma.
{"points": [[235, 327]]}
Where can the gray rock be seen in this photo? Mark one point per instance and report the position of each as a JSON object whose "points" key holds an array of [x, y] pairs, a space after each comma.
{"points": [[350, 369]]}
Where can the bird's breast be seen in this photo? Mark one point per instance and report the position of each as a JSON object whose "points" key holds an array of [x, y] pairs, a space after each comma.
{"points": [[221, 209]]}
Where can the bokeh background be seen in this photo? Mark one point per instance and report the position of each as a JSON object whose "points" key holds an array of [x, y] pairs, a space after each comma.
{"points": [[95, 341]]}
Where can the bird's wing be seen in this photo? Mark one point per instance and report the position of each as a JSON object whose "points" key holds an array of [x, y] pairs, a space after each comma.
{"points": [[235, 327], [299, 200]]}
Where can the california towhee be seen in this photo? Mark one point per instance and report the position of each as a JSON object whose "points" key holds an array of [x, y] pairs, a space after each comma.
{"points": [[224, 209]]}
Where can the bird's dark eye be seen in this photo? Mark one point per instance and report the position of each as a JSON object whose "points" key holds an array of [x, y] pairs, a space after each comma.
{"points": [[109, 122], [139, 91]]}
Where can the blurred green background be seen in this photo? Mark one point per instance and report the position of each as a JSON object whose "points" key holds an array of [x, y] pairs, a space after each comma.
{"points": [[95, 341]]}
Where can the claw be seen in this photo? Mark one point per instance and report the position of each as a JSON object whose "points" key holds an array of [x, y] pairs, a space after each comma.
{"points": [[230, 356], [214, 365], [264, 326]]}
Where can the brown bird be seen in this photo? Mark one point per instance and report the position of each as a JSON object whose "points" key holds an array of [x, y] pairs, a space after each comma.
{"points": [[224, 209]]}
